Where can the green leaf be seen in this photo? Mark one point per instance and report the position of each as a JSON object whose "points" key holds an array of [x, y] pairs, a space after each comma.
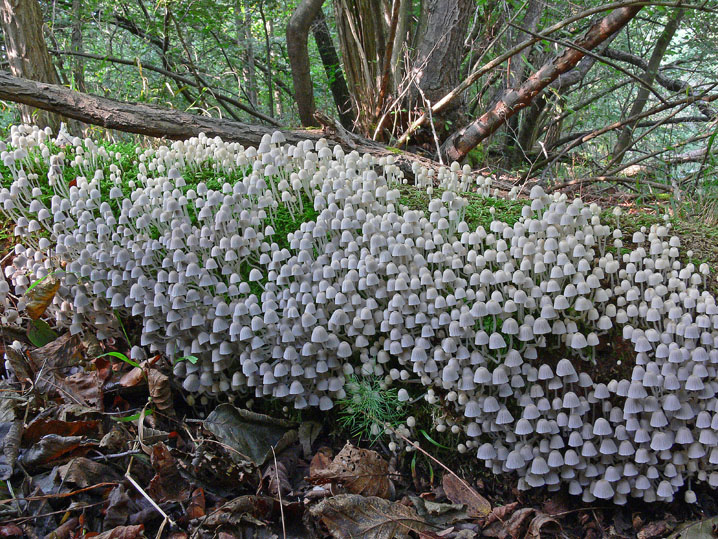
{"points": [[133, 417], [437, 444], [191, 359], [120, 356], [41, 333]]}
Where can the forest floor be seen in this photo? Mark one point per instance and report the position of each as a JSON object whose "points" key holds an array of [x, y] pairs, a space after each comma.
{"points": [[94, 444]]}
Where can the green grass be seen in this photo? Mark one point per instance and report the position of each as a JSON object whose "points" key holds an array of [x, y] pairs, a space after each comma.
{"points": [[478, 212]]}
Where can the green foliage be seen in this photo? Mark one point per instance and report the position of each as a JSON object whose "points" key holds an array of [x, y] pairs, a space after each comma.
{"points": [[368, 409]]}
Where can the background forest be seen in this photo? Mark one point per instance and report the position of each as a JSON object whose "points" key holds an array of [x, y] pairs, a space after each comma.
{"points": [[448, 79]]}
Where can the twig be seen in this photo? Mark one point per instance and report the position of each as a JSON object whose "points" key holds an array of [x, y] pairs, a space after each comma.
{"points": [[279, 493], [147, 497], [60, 495]]}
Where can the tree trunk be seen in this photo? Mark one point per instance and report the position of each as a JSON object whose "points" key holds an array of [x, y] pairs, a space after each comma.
{"points": [[461, 142], [244, 38], [268, 51], [436, 68], [333, 69], [78, 66], [297, 34], [26, 50], [361, 28], [625, 136]]}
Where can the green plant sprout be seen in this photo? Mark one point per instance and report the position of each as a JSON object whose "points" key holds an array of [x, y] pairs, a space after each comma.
{"points": [[368, 408]]}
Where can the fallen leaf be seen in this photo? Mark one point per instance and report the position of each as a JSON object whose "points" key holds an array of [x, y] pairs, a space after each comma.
{"points": [[250, 435], [237, 510], [699, 529], [82, 388], [275, 479], [513, 527], [133, 377], [196, 507], [501, 513], [40, 296], [118, 508], [20, 364], [308, 432], [10, 434], [360, 471], [439, 515], [167, 484], [541, 521], [159, 386], [65, 351], [122, 532], [459, 491], [40, 333], [84, 472], [321, 460], [352, 516], [42, 426], [654, 529], [11, 530], [53, 449]]}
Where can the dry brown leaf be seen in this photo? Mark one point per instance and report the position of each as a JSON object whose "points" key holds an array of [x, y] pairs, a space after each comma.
{"points": [[42, 426], [11, 530], [459, 491], [118, 508], [321, 460], [168, 484], [65, 351], [275, 479], [512, 528], [122, 532], [655, 529], [20, 364], [84, 472], [196, 507], [360, 471], [541, 521], [240, 509], [501, 513], [133, 377], [159, 385], [351, 516], [41, 296], [53, 449], [82, 388]]}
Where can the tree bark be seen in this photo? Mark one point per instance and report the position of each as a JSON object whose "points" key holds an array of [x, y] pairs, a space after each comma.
{"points": [[333, 69], [297, 34], [460, 143], [78, 67], [26, 50], [154, 121], [243, 27], [654, 63], [436, 68]]}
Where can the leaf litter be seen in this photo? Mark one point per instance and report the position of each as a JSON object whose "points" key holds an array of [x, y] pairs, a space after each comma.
{"points": [[91, 444]]}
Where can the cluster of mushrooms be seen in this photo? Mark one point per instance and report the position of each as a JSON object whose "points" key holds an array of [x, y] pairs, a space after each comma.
{"points": [[501, 325]]}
